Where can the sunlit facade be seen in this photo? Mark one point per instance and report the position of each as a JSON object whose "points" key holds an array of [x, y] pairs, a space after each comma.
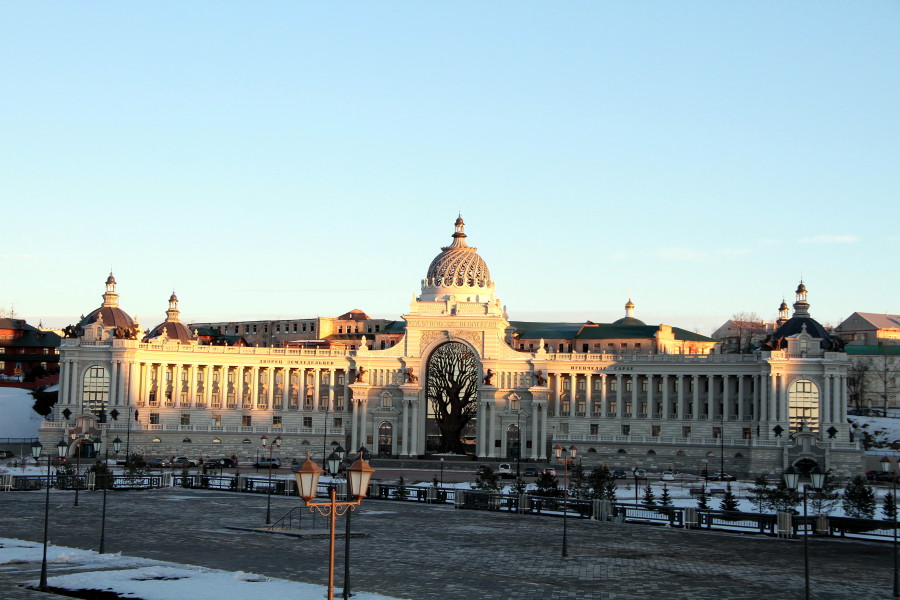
{"points": [[626, 393]]}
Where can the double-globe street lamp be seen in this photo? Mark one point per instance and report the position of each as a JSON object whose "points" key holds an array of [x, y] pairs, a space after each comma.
{"points": [[565, 460], [117, 446], [888, 467], [79, 440], [791, 481], [358, 476], [276, 443], [61, 449]]}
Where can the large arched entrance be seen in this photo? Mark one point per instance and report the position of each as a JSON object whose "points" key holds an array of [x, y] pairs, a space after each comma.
{"points": [[95, 393], [803, 405], [452, 392]]}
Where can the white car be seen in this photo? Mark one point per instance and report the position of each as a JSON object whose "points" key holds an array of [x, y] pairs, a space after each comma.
{"points": [[667, 476]]}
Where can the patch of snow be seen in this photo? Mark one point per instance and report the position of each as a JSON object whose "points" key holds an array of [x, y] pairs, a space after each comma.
{"points": [[17, 418]]}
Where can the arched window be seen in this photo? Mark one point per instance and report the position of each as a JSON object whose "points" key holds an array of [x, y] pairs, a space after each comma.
{"points": [[679, 453], [96, 389], [710, 454], [156, 440], [651, 451], [186, 441], [216, 441], [622, 451], [803, 405]]}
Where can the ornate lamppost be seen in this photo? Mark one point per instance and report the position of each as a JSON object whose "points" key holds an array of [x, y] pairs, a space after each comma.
{"points": [[61, 449], [276, 443], [79, 440], [117, 446], [888, 467], [358, 476], [565, 460], [791, 481]]}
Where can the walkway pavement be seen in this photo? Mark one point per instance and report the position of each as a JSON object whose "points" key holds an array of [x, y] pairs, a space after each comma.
{"points": [[425, 552]]}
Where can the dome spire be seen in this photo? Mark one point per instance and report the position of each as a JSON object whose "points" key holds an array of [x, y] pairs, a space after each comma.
{"points": [[173, 312], [782, 313], [459, 234], [110, 297], [801, 306]]}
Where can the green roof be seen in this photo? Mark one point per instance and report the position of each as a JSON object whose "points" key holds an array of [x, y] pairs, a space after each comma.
{"points": [[872, 350], [526, 330]]}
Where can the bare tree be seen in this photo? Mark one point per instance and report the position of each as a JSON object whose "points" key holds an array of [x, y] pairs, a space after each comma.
{"points": [[452, 392], [857, 382], [883, 372], [747, 326]]}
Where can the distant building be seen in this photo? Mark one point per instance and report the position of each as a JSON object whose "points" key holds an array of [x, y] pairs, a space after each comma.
{"points": [[869, 329], [742, 336], [27, 352]]}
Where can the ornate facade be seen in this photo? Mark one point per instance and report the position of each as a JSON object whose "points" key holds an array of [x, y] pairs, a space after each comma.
{"points": [[626, 393]]}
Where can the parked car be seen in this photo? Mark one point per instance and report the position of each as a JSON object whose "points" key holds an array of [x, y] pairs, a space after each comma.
{"points": [[505, 471], [880, 476], [183, 462], [719, 476], [530, 472], [267, 463], [6, 454], [667, 476], [549, 471], [639, 473], [619, 474], [58, 461], [482, 469], [220, 463], [158, 463]]}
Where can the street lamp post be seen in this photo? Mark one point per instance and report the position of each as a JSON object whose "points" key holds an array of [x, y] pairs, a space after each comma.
{"points": [[276, 443], [791, 481], [61, 449], [117, 445], [358, 476], [561, 457], [442, 472], [888, 467]]}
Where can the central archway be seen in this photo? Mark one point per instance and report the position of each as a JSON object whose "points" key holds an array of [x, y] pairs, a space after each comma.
{"points": [[452, 391]]}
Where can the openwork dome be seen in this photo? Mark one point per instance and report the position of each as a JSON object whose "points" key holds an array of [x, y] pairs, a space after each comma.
{"points": [[458, 269]]}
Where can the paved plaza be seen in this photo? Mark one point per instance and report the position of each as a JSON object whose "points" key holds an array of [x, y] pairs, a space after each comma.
{"points": [[425, 552]]}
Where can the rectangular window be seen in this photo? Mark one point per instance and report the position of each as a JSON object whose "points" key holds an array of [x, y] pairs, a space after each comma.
{"points": [[686, 431], [185, 418], [613, 384], [637, 347], [276, 421], [717, 432], [644, 385], [215, 420], [626, 429], [747, 433], [595, 429], [628, 385], [654, 430], [307, 422], [154, 418], [338, 423], [246, 421]]}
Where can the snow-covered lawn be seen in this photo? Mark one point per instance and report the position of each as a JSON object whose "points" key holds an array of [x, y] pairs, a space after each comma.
{"points": [[156, 580], [17, 418]]}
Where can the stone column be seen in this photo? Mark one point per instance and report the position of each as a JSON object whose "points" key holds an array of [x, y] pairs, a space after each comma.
{"points": [[354, 426], [773, 397], [492, 428], [740, 398], [696, 396], [666, 409], [604, 405], [316, 378], [783, 401], [726, 410], [825, 407], [113, 383], [711, 398], [414, 430], [681, 407], [535, 429], [588, 396], [480, 442], [404, 450], [332, 380], [619, 402], [635, 407], [650, 408]]}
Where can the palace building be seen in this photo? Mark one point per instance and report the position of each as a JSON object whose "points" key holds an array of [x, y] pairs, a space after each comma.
{"points": [[628, 394]]}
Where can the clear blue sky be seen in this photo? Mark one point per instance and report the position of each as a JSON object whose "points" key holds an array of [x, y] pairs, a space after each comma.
{"points": [[290, 159]]}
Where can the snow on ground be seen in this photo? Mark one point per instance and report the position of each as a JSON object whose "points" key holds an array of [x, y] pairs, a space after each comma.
{"points": [[157, 580], [17, 418], [883, 430]]}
